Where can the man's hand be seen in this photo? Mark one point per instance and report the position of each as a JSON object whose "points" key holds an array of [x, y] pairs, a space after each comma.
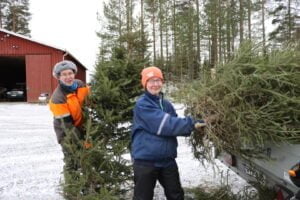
{"points": [[199, 125]]}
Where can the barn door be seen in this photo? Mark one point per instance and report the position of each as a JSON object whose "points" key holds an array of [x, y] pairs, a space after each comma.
{"points": [[38, 76]]}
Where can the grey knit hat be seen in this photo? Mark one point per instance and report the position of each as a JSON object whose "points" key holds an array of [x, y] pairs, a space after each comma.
{"points": [[63, 65]]}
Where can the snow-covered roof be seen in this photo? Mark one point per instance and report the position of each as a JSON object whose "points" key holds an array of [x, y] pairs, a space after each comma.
{"points": [[42, 43]]}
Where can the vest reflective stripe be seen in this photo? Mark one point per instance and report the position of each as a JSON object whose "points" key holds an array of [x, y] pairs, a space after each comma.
{"points": [[62, 116], [163, 121], [59, 110], [73, 106]]}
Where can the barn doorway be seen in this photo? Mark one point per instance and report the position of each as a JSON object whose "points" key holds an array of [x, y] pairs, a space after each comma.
{"points": [[12, 78]]}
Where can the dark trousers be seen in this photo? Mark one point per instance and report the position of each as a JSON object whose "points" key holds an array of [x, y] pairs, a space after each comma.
{"points": [[145, 179]]}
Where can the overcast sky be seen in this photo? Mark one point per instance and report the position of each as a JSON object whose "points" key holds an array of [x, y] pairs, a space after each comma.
{"points": [[68, 24]]}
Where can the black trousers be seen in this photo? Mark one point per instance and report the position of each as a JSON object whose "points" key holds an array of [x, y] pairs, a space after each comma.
{"points": [[145, 178]]}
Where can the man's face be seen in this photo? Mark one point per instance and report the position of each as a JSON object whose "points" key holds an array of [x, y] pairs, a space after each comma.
{"points": [[154, 85], [67, 77]]}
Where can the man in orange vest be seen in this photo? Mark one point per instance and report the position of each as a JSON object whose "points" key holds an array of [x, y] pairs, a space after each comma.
{"points": [[67, 100]]}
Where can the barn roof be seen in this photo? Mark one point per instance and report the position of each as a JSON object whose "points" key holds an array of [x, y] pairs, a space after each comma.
{"points": [[41, 43]]}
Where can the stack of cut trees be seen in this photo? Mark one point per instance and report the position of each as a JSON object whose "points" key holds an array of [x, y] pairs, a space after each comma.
{"points": [[256, 98]]}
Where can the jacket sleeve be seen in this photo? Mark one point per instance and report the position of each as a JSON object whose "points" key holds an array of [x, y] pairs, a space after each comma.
{"points": [[62, 120], [64, 125], [155, 121]]}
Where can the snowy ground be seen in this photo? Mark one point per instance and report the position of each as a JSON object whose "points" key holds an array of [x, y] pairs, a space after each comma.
{"points": [[31, 160]]}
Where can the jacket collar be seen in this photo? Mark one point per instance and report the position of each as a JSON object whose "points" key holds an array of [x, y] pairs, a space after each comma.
{"points": [[154, 97], [68, 89]]}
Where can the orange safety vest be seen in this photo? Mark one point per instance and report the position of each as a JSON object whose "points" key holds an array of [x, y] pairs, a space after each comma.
{"points": [[63, 105]]}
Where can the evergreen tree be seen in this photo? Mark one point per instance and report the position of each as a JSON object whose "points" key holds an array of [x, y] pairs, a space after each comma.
{"points": [[211, 10], [18, 17], [3, 12], [285, 16], [179, 29], [100, 170], [115, 85], [184, 29], [151, 8]]}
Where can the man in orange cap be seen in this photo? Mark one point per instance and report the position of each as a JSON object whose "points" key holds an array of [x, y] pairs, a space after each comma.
{"points": [[154, 140]]}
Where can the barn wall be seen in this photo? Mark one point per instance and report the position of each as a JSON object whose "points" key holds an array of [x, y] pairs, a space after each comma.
{"points": [[38, 76], [12, 45], [40, 60]]}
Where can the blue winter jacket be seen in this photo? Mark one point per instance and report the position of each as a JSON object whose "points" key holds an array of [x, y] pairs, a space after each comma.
{"points": [[155, 128]]}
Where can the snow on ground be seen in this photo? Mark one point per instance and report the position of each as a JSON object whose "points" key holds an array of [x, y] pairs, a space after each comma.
{"points": [[31, 160]]}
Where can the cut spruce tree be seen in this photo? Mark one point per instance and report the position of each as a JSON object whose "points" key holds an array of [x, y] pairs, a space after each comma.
{"points": [[98, 167], [256, 99], [95, 165]]}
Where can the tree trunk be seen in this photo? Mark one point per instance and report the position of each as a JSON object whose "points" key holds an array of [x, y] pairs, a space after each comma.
{"points": [[14, 20], [190, 49], [167, 50], [241, 21], [128, 15], [228, 30], [214, 36], [263, 26], [161, 20], [153, 32], [220, 34], [297, 33], [174, 34], [198, 56], [289, 21], [120, 22], [129, 26], [249, 19], [1, 15], [232, 24], [167, 39], [142, 29]]}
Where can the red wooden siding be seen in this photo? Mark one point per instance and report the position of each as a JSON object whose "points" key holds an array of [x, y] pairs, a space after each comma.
{"points": [[38, 76], [12, 45], [40, 59]]}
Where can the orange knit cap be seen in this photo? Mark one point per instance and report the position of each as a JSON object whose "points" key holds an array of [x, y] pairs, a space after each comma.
{"points": [[150, 72]]}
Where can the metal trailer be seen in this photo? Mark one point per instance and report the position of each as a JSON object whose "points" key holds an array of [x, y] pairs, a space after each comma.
{"points": [[272, 171]]}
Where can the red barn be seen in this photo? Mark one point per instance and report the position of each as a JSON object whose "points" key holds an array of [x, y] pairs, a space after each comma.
{"points": [[27, 63]]}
